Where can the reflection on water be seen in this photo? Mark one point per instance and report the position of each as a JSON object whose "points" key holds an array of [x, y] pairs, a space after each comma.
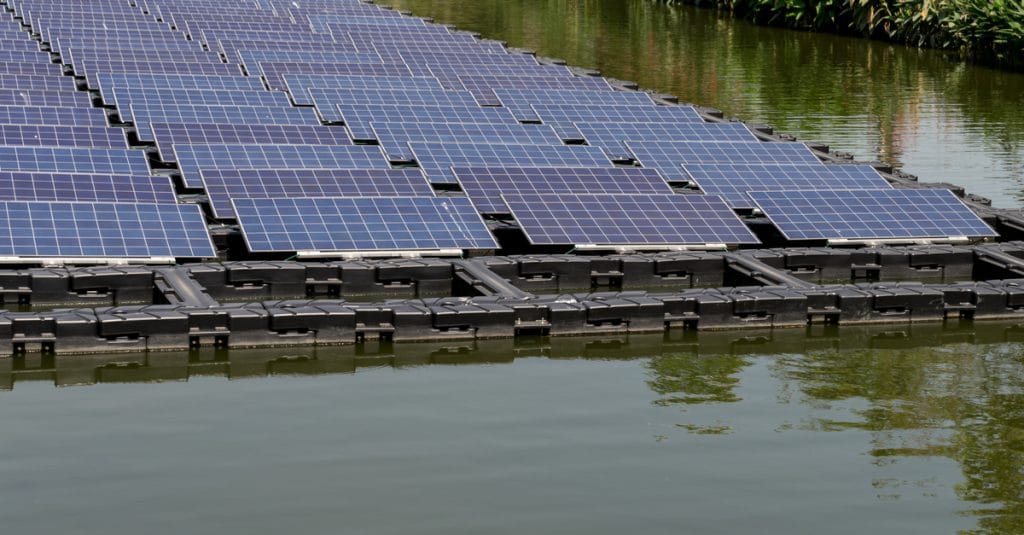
{"points": [[939, 119], [895, 399]]}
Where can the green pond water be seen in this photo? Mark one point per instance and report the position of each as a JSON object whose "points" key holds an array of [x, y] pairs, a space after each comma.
{"points": [[889, 429]]}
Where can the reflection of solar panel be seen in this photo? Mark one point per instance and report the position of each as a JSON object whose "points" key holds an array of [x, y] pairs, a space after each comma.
{"points": [[627, 220], [358, 116], [669, 156], [222, 185], [102, 230], [486, 185], [394, 137], [142, 81], [192, 158], [144, 114], [62, 136], [33, 186], [73, 160], [361, 224], [326, 100], [298, 85], [613, 137], [170, 134], [437, 159], [733, 181], [870, 214], [519, 100]]}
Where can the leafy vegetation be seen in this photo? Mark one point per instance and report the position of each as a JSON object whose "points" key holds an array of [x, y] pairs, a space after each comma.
{"points": [[988, 31]]}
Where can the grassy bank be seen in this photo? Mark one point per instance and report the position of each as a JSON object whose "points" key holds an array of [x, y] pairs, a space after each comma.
{"points": [[986, 31]]}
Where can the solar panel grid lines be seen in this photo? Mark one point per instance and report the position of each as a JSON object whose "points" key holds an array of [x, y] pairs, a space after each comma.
{"points": [[437, 159], [206, 27], [298, 85], [365, 38], [394, 137], [483, 86], [870, 214], [563, 116], [102, 230], [169, 134], [209, 37], [50, 34], [273, 72], [669, 156], [638, 220], [733, 181], [73, 160], [23, 56], [52, 115], [520, 100], [230, 48], [79, 58], [22, 45], [192, 158], [222, 185], [393, 48], [450, 74], [124, 97], [465, 57], [91, 69], [31, 69], [251, 58], [362, 224], [45, 97], [485, 185], [64, 44], [326, 100], [613, 136], [142, 81], [40, 186], [62, 136], [324, 23], [37, 82], [145, 114], [358, 116]]}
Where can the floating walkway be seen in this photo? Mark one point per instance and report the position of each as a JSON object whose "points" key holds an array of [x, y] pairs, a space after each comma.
{"points": [[244, 173]]}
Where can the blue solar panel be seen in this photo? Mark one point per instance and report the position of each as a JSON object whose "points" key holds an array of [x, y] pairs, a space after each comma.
{"points": [[392, 48], [298, 85], [669, 156], [74, 160], [31, 69], [222, 185], [252, 58], [733, 181], [102, 230], [25, 186], [326, 100], [483, 86], [359, 116], [141, 82], [38, 82], [613, 137], [125, 97], [437, 159], [519, 100], [274, 73], [321, 23], [564, 115], [92, 68], [145, 114], [48, 115], [485, 185], [78, 56], [192, 158], [62, 136], [60, 97], [394, 137], [627, 220], [170, 134], [231, 47], [362, 224], [870, 214]]}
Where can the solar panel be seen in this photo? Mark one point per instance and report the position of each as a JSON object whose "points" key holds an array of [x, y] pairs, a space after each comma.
{"points": [[425, 59], [222, 185], [358, 116], [102, 230], [125, 97], [733, 181], [21, 56], [391, 48], [73, 160], [192, 158], [31, 69], [231, 47], [483, 86], [437, 159], [394, 137], [252, 58], [27, 186], [319, 23], [668, 156], [613, 137], [298, 85], [562, 116], [142, 82], [79, 56], [519, 100], [449, 74], [62, 136], [61, 97], [870, 214], [627, 220], [144, 114], [362, 224], [36, 82], [326, 100], [274, 73], [485, 185], [170, 134], [92, 68]]}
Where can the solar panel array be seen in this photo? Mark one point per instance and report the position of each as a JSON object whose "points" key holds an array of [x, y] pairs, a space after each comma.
{"points": [[293, 119]]}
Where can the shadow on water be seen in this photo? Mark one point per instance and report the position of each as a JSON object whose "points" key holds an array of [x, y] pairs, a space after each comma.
{"points": [[941, 119]]}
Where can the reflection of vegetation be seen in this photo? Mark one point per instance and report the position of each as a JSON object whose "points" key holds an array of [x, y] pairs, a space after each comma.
{"points": [[696, 380], [974, 392]]}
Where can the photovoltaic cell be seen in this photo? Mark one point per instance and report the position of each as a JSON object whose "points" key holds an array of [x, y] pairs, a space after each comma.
{"points": [[62, 136], [359, 116], [127, 96], [669, 156], [520, 100], [562, 116], [274, 73], [73, 160], [141, 82], [92, 68], [485, 185], [298, 85], [326, 100], [144, 114], [222, 185], [627, 220], [25, 186], [613, 137], [437, 159], [361, 224], [394, 137], [192, 158], [733, 181], [102, 230], [870, 214], [62, 97], [170, 134], [483, 86]]}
